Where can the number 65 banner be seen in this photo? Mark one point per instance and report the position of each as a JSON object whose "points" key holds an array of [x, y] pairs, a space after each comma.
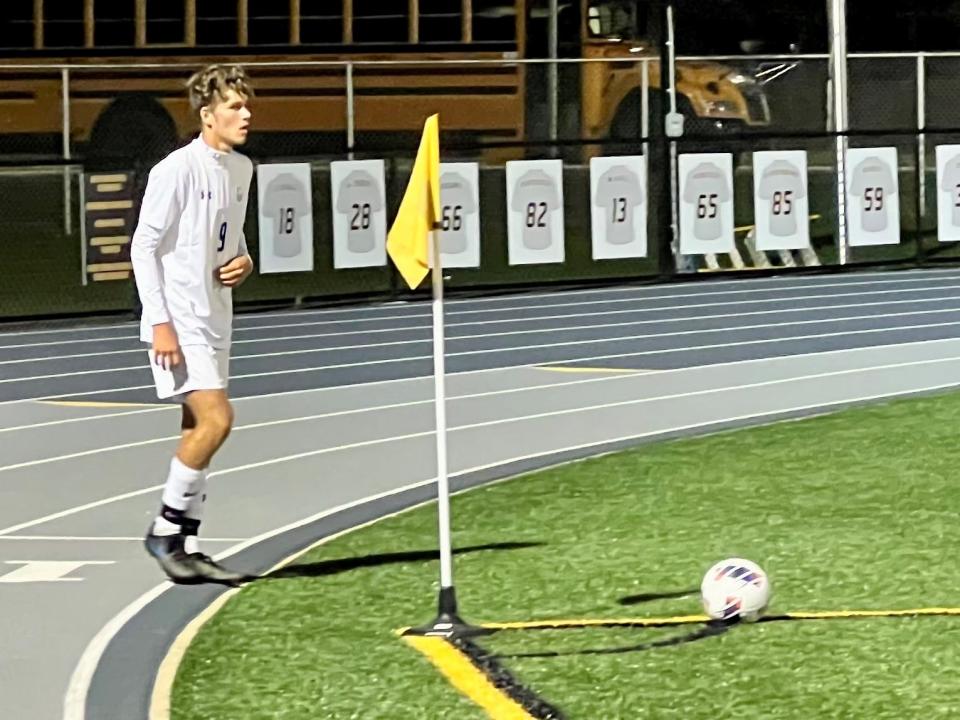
{"points": [[359, 213], [706, 207], [780, 202], [285, 214], [873, 198]]}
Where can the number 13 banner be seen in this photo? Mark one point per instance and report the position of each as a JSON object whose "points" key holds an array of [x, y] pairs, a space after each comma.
{"points": [[359, 213], [618, 207], [873, 197], [285, 213], [780, 204], [948, 193], [706, 203]]}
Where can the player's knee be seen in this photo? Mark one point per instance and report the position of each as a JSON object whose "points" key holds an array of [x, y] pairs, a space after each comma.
{"points": [[220, 422]]}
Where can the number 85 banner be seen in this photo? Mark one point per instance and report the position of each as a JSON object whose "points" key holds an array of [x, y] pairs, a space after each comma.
{"points": [[706, 207], [780, 204]]}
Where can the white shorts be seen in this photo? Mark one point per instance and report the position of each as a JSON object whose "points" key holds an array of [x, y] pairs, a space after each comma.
{"points": [[201, 368]]}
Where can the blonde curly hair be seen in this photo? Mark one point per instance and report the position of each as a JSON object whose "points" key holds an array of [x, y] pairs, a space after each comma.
{"points": [[211, 85]]}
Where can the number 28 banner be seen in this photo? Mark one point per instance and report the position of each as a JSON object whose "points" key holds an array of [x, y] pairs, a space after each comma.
{"points": [[285, 214], [706, 203], [873, 197], [781, 208], [359, 213]]}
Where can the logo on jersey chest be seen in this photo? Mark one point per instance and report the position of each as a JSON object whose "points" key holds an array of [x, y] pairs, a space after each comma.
{"points": [[239, 194], [206, 194]]}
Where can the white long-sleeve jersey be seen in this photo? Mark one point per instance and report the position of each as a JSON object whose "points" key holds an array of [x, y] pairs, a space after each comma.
{"points": [[191, 223]]}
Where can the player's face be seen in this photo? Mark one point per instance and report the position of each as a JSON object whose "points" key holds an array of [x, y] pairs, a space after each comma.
{"points": [[228, 120]]}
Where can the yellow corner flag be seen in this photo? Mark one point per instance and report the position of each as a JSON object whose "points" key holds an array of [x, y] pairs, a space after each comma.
{"points": [[408, 241]]}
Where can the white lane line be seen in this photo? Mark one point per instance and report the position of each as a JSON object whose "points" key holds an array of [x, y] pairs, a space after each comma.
{"points": [[423, 310], [562, 327], [507, 365], [79, 685], [522, 348], [487, 423], [98, 538], [86, 418]]}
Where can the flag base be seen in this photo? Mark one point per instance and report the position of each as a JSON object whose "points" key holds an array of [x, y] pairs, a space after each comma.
{"points": [[448, 622]]}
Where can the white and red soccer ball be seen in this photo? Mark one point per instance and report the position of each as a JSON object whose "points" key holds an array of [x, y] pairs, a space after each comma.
{"points": [[735, 589]]}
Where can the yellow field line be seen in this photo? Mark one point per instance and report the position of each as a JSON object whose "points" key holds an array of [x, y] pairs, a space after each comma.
{"points": [[98, 404], [561, 368], [693, 619], [467, 678]]}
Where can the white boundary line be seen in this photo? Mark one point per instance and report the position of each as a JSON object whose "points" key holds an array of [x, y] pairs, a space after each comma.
{"points": [[79, 685], [473, 426], [98, 538]]}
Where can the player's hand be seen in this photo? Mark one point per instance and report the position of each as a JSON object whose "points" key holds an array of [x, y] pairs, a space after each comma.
{"points": [[236, 271], [166, 346]]}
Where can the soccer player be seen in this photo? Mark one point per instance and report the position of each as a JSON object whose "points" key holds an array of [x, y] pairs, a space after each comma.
{"points": [[188, 254]]}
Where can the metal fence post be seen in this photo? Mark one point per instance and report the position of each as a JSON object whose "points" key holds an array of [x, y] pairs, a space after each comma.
{"points": [[838, 74], [351, 119], [921, 148], [65, 113]]}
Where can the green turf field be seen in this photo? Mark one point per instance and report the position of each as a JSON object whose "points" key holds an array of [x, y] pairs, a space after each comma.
{"points": [[855, 510]]}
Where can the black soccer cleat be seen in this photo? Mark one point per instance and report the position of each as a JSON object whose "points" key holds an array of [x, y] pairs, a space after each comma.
{"points": [[176, 563], [208, 570]]}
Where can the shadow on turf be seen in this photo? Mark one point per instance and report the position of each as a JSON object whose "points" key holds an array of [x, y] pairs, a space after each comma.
{"points": [[709, 630], [650, 597], [340, 565]]}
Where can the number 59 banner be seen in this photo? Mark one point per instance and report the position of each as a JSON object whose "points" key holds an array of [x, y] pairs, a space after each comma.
{"points": [[285, 214], [359, 213], [780, 205], [873, 197], [706, 203], [535, 211]]}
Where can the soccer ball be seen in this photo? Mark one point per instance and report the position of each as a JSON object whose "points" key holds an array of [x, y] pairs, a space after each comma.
{"points": [[735, 589]]}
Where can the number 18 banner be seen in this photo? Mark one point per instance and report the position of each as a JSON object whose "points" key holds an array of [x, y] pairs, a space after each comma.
{"points": [[780, 204], [285, 214], [706, 203], [873, 197]]}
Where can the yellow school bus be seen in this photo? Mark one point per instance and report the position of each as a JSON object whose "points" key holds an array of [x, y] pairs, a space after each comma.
{"points": [[362, 78]]}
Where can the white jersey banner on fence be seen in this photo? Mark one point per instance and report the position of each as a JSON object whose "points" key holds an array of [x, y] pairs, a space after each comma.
{"points": [[285, 215], [459, 233], [706, 203], [618, 207], [873, 197], [359, 213], [780, 204], [535, 211], [948, 193]]}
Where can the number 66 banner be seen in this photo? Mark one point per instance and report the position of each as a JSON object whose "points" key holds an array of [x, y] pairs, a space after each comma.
{"points": [[459, 233], [873, 199], [285, 214], [706, 207], [359, 213]]}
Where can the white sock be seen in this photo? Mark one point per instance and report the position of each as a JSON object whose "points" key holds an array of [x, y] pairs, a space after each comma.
{"points": [[194, 511], [183, 484]]}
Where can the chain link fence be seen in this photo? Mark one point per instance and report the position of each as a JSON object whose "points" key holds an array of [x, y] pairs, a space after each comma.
{"points": [[66, 123]]}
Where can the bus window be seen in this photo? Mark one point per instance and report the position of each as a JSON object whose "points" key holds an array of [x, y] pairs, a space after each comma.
{"points": [[216, 22], [62, 24], [113, 23], [321, 22], [16, 25], [494, 21], [616, 20], [380, 21], [269, 22], [440, 21], [165, 22]]}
